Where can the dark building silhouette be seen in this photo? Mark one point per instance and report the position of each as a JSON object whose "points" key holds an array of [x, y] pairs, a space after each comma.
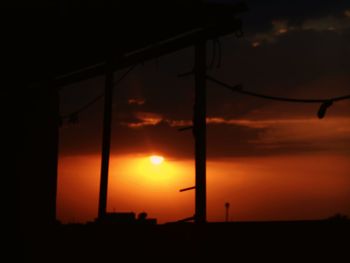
{"points": [[142, 218], [118, 218]]}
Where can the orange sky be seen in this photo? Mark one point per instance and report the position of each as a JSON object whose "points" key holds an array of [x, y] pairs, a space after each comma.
{"points": [[270, 160], [266, 188], [274, 161]]}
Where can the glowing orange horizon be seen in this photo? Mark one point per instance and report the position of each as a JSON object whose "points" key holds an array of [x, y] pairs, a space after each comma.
{"points": [[266, 188]]}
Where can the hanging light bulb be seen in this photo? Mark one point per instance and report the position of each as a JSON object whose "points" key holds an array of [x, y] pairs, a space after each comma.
{"points": [[323, 109]]}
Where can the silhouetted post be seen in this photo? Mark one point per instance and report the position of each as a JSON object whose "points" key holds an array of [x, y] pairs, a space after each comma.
{"points": [[199, 130], [106, 140], [227, 207], [55, 149], [36, 175]]}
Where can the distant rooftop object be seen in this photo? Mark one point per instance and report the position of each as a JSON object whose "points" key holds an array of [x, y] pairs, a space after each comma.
{"points": [[126, 218]]}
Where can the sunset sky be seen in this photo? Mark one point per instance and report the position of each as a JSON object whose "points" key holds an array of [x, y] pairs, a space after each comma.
{"points": [[269, 160]]}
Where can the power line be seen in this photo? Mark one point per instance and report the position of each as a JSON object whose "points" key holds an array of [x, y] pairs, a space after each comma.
{"points": [[73, 116], [325, 103], [238, 88]]}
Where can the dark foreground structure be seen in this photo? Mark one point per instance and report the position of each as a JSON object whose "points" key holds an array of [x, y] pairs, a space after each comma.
{"points": [[56, 48], [304, 241], [71, 48]]}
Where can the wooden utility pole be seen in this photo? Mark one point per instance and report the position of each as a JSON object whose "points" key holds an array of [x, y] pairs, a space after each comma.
{"points": [[106, 140], [199, 130]]}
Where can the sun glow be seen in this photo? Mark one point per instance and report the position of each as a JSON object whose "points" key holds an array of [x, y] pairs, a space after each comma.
{"points": [[151, 171], [156, 159], [260, 193]]}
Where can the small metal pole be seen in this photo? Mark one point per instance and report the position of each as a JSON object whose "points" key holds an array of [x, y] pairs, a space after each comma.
{"points": [[227, 207]]}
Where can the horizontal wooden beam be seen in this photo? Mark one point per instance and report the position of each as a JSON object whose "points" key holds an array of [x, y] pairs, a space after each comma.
{"points": [[224, 27]]}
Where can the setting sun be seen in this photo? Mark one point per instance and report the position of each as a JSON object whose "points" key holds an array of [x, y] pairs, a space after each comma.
{"points": [[156, 159]]}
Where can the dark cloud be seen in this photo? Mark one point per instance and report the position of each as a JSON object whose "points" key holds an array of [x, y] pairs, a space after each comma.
{"points": [[152, 102], [262, 13], [136, 101], [226, 137]]}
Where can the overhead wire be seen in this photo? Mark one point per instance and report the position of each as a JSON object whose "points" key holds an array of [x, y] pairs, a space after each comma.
{"points": [[239, 89], [72, 117], [325, 103]]}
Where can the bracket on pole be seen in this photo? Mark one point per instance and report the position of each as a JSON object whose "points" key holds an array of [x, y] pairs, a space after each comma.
{"points": [[187, 189]]}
